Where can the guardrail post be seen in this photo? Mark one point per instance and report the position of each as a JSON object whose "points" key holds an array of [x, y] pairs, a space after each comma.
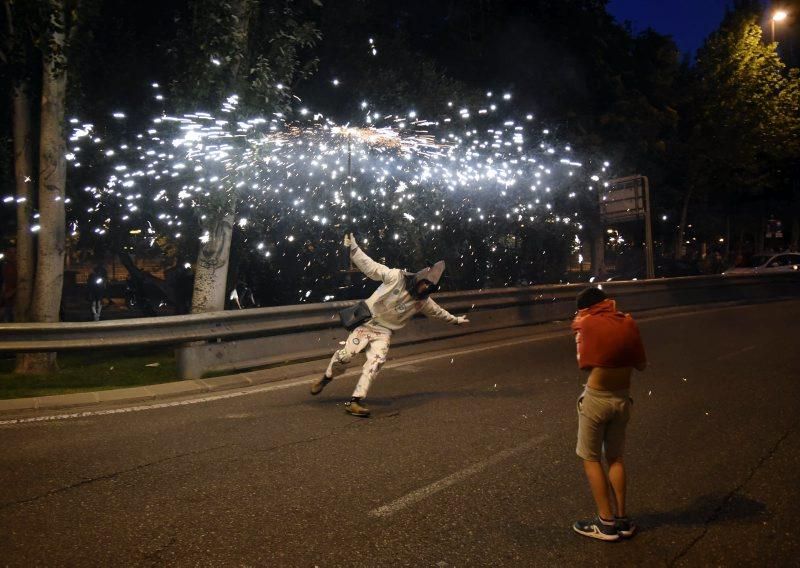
{"points": [[190, 363]]}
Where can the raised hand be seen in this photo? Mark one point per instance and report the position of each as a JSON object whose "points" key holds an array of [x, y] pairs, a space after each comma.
{"points": [[350, 241]]}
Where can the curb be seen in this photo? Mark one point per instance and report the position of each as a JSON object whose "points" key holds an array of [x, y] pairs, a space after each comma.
{"points": [[137, 394]]}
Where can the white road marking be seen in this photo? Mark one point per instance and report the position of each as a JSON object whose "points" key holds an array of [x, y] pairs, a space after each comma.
{"points": [[737, 352], [425, 492], [312, 378], [268, 388]]}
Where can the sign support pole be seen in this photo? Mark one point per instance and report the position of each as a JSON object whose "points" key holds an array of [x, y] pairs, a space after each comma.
{"points": [[648, 231], [628, 199]]}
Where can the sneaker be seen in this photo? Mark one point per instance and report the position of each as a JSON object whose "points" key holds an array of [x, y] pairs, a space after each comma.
{"points": [[624, 527], [317, 387], [595, 528], [355, 408]]}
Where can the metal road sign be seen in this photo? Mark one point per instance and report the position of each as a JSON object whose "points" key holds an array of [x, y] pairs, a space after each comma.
{"points": [[628, 199], [623, 200]]}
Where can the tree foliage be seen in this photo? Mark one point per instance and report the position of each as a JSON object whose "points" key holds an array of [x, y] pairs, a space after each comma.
{"points": [[746, 113]]}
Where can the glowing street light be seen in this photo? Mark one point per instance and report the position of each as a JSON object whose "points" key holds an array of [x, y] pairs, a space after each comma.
{"points": [[778, 16]]}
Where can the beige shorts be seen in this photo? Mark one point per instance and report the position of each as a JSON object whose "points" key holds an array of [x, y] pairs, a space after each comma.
{"points": [[602, 418]]}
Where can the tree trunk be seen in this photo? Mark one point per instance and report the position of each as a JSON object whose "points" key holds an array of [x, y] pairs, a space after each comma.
{"points": [[210, 282], [740, 249], [680, 247], [212, 266], [24, 176], [761, 229], [52, 180], [795, 215], [727, 248]]}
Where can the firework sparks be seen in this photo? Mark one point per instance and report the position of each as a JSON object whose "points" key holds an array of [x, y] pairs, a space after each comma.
{"points": [[466, 167]]}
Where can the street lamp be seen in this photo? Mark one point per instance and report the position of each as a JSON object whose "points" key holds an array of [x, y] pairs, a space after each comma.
{"points": [[778, 16]]}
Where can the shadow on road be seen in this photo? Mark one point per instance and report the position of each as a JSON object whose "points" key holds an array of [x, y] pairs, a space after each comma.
{"points": [[411, 400], [703, 510]]}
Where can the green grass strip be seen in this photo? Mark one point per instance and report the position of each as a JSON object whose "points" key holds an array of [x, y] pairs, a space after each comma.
{"points": [[82, 371]]}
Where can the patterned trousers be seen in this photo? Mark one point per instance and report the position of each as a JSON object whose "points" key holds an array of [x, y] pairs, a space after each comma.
{"points": [[376, 342]]}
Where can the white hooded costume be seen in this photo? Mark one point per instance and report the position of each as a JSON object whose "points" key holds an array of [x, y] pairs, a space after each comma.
{"points": [[392, 305]]}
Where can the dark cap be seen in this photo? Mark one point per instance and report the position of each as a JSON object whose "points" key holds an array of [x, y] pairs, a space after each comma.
{"points": [[589, 297]]}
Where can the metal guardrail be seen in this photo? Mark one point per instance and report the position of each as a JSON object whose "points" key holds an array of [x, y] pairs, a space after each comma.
{"points": [[239, 339], [233, 323]]}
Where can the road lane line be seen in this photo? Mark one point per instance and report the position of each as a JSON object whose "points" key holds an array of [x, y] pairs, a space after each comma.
{"points": [[737, 352], [424, 492]]}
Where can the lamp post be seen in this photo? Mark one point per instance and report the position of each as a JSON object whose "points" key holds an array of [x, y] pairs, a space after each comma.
{"points": [[778, 16]]}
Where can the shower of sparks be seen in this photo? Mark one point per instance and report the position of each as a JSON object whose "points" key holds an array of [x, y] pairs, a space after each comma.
{"points": [[394, 173]]}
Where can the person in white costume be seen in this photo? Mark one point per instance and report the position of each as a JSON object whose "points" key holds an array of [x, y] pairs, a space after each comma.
{"points": [[400, 296]]}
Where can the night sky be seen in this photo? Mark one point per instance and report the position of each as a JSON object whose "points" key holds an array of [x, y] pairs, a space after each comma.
{"points": [[687, 21]]}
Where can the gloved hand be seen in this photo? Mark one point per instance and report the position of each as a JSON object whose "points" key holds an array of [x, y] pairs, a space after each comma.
{"points": [[350, 241], [461, 320]]}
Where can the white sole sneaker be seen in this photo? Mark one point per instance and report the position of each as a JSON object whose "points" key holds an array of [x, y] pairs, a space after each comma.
{"points": [[593, 531]]}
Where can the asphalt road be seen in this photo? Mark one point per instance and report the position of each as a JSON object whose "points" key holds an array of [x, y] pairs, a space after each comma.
{"points": [[468, 461]]}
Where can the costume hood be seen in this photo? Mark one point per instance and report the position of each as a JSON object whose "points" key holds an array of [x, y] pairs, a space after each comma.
{"points": [[432, 274]]}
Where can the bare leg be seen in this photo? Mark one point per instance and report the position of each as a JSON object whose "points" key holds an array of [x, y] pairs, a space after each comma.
{"points": [[598, 482], [616, 474]]}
